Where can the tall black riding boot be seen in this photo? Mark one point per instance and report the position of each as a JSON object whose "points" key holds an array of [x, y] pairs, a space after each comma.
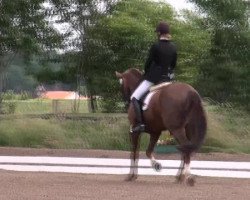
{"points": [[140, 127]]}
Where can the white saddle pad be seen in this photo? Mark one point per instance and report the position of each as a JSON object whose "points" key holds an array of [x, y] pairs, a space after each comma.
{"points": [[159, 86], [153, 90], [147, 100]]}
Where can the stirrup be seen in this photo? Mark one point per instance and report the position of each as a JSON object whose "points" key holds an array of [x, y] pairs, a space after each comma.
{"points": [[138, 129]]}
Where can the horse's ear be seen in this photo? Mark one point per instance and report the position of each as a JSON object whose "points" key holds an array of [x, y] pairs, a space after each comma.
{"points": [[118, 74]]}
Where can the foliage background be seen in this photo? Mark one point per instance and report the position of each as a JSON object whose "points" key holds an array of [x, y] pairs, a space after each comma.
{"points": [[97, 38]]}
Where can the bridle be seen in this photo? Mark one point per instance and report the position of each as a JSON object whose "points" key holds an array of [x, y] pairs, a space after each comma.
{"points": [[126, 91], [125, 95]]}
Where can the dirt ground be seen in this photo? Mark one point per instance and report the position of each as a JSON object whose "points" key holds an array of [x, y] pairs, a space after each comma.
{"points": [[64, 186], [61, 186]]}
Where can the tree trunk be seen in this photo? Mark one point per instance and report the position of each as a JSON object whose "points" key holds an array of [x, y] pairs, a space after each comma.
{"points": [[1, 88], [92, 104]]}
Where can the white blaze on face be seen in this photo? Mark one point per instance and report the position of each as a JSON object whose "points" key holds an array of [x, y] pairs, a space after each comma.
{"points": [[120, 81]]}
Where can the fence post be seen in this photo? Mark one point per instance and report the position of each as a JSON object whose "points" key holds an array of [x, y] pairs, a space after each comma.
{"points": [[55, 103]]}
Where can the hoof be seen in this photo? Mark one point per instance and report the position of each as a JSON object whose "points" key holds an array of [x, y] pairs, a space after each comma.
{"points": [[131, 177], [157, 166], [191, 180], [181, 178]]}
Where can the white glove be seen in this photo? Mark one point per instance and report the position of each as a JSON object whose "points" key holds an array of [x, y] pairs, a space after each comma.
{"points": [[171, 76]]}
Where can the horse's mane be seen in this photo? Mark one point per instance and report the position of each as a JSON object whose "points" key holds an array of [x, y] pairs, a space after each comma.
{"points": [[133, 78], [134, 72]]}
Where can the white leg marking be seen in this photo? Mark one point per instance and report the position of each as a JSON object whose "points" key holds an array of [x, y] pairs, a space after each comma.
{"points": [[186, 169], [153, 161]]}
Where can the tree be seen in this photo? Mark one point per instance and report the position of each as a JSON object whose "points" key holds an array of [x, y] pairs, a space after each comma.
{"points": [[24, 30], [225, 73], [119, 40], [122, 39], [80, 15]]}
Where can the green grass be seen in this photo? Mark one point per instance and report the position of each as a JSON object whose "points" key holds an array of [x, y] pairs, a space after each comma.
{"points": [[31, 133], [95, 133], [228, 131], [43, 106]]}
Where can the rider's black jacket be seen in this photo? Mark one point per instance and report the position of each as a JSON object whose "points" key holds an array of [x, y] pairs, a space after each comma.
{"points": [[161, 61]]}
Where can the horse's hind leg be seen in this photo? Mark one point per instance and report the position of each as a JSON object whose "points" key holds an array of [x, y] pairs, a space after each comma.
{"points": [[153, 139], [184, 173], [184, 170], [134, 156]]}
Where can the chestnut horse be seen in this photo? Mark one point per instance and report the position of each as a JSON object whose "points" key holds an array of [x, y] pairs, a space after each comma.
{"points": [[177, 108]]}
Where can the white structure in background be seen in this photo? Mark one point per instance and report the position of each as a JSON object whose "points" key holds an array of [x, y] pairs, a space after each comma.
{"points": [[62, 95]]}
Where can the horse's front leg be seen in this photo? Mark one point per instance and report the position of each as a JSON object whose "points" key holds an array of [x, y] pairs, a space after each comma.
{"points": [[153, 139], [134, 156]]}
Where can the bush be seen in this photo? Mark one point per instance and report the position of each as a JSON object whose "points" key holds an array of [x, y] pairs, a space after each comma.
{"points": [[11, 107], [25, 96], [8, 107], [11, 95], [111, 105]]}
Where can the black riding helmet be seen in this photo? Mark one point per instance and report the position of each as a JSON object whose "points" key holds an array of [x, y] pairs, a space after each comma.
{"points": [[162, 28]]}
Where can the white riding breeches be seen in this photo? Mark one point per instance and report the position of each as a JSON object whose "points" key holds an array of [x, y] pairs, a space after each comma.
{"points": [[141, 89]]}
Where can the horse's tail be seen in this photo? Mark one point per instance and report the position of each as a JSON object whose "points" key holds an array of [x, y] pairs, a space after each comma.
{"points": [[197, 125]]}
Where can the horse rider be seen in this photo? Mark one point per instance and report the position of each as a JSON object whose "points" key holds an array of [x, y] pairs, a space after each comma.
{"points": [[158, 68]]}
